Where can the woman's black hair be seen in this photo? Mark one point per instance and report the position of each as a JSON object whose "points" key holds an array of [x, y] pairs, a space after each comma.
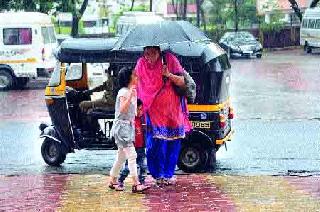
{"points": [[154, 47], [124, 76]]}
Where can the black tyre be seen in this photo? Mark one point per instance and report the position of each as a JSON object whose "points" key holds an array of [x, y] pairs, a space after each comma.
{"points": [[307, 48], [52, 152], [21, 82], [212, 159], [259, 56], [193, 158], [229, 53], [6, 80]]}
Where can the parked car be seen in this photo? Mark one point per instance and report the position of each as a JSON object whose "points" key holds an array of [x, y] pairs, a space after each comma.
{"points": [[241, 44]]}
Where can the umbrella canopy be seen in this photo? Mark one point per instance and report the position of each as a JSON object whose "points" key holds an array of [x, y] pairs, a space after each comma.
{"points": [[205, 51], [163, 34]]}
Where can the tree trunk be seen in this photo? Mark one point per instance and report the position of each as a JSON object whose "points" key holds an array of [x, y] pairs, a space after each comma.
{"points": [[203, 18], [75, 25], [76, 17], [175, 8], [314, 3], [132, 5], [198, 12], [236, 21], [150, 9], [184, 14]]}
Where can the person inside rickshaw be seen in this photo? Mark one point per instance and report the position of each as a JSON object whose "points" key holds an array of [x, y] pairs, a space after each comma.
{"points": [[104, 105]]}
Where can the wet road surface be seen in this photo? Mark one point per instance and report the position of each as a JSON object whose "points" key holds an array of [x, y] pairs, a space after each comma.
{"points": [[272, 162], [277, 128]]}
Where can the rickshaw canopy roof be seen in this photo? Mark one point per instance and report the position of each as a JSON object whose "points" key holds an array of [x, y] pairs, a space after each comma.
{"points": [[86, 50], [100, 50]]}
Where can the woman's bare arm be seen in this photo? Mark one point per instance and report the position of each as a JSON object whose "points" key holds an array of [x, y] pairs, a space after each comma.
{"points": [[177, 80]]}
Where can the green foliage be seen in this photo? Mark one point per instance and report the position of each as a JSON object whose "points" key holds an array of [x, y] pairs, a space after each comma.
{"points": [[272, 27], [27, 5], [222, 12], [116, 16], [67, 30]]}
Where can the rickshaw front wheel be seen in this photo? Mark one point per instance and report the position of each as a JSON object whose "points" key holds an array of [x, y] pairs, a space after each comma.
{"points": [[192, 158], [52, 152]]}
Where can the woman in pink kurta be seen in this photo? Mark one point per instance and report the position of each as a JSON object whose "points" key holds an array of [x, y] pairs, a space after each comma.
{"points": [[166, 114]]}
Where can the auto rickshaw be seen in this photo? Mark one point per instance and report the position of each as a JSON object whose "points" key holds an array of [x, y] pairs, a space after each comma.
{"points": [[210, 114]]}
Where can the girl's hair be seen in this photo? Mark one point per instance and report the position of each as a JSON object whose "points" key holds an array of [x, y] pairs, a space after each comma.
{"points": [[124, 76], [139, 102]]}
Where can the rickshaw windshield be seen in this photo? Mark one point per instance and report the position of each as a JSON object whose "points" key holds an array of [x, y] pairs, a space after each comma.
{"points": [[74, 71], [55, 76]]}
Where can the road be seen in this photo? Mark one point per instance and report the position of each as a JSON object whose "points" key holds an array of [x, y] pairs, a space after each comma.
{"points": [[276, 102], [271, 164]]}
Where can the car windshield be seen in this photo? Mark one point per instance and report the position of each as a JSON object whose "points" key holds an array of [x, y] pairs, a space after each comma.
{"points": [[239, 37]]}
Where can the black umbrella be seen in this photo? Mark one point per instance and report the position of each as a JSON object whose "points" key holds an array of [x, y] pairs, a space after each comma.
{"points": [[204, 50], [163, 34]]}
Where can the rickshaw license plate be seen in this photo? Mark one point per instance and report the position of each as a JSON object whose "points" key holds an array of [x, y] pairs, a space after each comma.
{"points": [[201, 124]]}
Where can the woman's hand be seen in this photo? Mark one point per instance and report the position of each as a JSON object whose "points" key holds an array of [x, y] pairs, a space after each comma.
{"points": [[165, 71]]}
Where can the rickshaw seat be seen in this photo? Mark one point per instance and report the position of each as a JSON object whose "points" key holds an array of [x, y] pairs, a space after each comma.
{"points": [[100, 113]]}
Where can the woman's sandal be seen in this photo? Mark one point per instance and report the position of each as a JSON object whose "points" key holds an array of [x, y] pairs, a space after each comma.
{"points": [[112, 185], [168, 182], [159, 182], [139, 188]]}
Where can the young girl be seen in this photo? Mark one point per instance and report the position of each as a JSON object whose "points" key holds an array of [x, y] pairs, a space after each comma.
{"points": [[123, 129]]}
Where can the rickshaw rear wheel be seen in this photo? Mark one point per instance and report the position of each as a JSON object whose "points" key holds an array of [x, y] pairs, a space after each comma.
{"points": [[192, 158], [52, 152]]}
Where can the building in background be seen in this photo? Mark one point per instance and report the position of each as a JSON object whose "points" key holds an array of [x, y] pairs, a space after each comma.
{"points": [[267, 8]]}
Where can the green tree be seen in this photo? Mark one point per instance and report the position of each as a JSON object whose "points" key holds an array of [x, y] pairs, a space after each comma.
{"points": [[77, 8], [218, 12], [5, 5], [27, 5], [242, 12]]}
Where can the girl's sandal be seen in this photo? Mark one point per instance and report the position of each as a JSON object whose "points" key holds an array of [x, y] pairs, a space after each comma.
{"points": [[139, 188], [112, 185]]}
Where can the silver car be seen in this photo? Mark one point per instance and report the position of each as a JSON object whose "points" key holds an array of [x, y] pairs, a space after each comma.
{"points": [[241, 44]]}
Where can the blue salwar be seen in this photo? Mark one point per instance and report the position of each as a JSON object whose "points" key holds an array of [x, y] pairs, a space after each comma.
{"points": [[162, 155]]}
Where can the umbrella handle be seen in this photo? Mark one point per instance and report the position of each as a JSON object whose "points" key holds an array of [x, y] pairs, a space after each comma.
{"points": [[164, 62]]}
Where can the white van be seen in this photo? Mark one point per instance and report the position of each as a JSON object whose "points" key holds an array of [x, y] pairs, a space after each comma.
{"points": [[94, 25], [310, 29], [27, 42], [130, 19]]}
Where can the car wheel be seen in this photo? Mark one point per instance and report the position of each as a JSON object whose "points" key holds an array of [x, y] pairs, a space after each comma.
{"points": [[192, 158], [259, 56], [52, 152], [229, 53], [21, 82], [307, 48], [6, 80]]}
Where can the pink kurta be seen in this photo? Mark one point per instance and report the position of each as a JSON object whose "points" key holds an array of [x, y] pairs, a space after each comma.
{"points": [[169, 121]]}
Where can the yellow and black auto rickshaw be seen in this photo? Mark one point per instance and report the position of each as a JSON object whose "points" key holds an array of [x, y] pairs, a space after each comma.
{"points": [[210, 114]]}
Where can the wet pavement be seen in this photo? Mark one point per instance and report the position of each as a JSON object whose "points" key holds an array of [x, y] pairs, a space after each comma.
{"points": [[272, 162]]}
